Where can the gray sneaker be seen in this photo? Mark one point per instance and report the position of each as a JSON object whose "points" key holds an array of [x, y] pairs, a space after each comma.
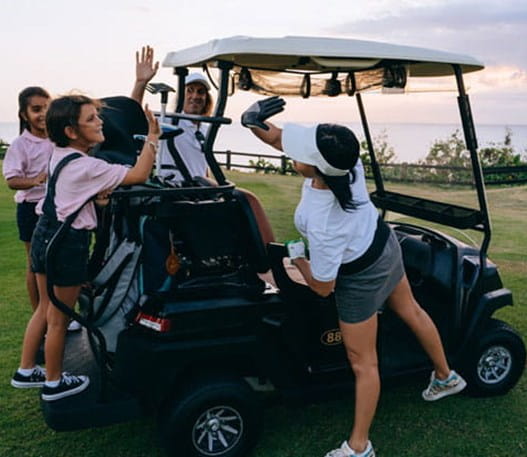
{"points": [[441, 388], [345, 451]]}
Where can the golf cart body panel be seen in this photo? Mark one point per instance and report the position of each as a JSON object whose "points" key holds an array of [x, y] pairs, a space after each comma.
{"points": [[183, 318]]}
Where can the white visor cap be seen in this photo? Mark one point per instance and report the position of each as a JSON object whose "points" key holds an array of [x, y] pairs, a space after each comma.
{"points": [[300, 144], [197, 78]]}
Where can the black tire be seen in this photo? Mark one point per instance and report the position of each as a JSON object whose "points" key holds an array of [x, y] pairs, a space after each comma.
{"points": [[496, 361], [216, 418]]}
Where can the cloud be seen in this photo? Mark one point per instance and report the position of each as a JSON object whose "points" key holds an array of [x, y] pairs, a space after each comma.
{"points": [[494, 32], [507, 78]]}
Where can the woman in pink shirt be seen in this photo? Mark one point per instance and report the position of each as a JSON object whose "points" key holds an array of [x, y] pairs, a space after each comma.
{"points": [[25, 169], [74, 126]]}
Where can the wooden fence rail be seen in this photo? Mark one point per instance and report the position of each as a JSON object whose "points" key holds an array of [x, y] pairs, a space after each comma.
{"points": [[404, 172]]}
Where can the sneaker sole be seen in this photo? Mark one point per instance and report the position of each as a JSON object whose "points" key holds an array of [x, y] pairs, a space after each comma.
{"points": [[26, 385], [462, 384], [67, 393]]}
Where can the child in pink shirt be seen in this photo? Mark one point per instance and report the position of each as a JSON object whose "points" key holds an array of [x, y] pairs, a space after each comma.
{"points": [[74, 126], [25, 169]]}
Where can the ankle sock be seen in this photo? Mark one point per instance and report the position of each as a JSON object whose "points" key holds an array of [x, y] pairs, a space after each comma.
{"points": [[447, 379], [26, 371], [52, 383]]}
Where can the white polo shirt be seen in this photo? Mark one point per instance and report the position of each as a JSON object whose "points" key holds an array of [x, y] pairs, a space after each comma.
{"points": [[335, 236], [189, 149]]}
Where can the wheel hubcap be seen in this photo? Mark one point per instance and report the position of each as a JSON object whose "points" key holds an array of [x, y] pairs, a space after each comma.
{"points": [[217, 430], [494, 365]]}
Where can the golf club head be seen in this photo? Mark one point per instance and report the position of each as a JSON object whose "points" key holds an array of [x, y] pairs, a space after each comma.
{"points": [[158, 88]]}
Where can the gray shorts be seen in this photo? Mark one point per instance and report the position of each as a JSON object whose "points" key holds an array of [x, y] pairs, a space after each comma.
{"points": [[360, 295]]}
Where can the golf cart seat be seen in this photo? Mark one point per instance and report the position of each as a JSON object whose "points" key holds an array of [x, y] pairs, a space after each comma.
{"points": [[262, 221], [219, 244]]}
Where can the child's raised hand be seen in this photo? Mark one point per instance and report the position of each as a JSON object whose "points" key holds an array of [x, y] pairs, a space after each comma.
{"points": [[154, 131], [145, 69]]}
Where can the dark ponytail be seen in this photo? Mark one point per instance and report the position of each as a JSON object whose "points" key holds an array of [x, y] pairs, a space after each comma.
{"points": [[23, 103], [341, 188], [340, 148]]}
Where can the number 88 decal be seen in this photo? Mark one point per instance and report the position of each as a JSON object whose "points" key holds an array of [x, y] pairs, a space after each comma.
{"points": [[331, 337]]}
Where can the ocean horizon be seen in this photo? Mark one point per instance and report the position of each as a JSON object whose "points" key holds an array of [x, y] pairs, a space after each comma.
{"points": [[410, 141]]}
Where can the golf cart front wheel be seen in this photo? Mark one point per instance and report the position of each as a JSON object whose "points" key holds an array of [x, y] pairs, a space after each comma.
{"points": [[497, 361], [219, 418]]}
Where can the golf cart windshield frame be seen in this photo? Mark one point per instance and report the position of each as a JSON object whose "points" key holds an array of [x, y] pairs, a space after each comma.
{"points": [[243, 55]]}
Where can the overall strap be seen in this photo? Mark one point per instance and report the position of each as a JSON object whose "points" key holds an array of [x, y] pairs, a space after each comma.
{"points": [[174, 153], [48, 208]]}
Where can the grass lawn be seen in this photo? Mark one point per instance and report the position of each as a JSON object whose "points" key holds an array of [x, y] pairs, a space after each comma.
{"points": [[405, 426]]}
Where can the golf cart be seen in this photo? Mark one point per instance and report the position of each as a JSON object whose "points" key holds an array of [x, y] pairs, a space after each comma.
{"points": [[178, 320]]}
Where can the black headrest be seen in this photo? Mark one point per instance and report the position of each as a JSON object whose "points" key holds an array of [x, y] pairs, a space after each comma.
{"points": [[123, 118]]}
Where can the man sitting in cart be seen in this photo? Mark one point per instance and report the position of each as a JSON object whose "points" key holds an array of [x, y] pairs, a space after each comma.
{"points": [[198, 101]]}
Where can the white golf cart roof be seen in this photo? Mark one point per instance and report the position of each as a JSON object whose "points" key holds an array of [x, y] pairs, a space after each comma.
{"points": [[280, 65]]}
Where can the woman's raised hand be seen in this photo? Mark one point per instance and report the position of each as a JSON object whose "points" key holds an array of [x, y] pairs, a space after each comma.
{"points": [[258, 112]]}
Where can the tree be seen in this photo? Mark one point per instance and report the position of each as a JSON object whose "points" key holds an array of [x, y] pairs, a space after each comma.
{"points": [[500, 154], [450, 152], [383, 151], [3, 148]]}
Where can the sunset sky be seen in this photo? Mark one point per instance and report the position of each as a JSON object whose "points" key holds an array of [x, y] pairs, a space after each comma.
{"points": [[89, 46]]}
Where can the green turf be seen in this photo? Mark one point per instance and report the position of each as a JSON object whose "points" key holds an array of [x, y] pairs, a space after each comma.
{"points": [[405, 426]]}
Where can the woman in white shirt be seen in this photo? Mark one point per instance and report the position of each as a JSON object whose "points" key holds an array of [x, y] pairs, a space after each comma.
{"points": [[352, 253]]}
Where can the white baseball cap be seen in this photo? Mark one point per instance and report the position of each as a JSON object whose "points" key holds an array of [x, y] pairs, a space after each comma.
{"points": [[197, 78]]}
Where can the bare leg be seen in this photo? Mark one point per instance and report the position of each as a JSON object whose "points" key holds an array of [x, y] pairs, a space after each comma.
{"points": [[31, 282], [57, 325], [360, 342], [36, 327], [404, 304]]}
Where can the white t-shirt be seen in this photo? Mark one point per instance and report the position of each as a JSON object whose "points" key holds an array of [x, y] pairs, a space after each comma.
{"points": [[27, 157], [335, 236], [78, 181], [189, 149]]}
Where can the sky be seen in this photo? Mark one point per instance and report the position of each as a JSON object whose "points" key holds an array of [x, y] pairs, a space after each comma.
{"points": [[90, 46]]}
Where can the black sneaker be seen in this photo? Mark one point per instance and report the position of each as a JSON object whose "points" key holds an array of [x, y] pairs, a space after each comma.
{"points": [[35, 379], [68, 385]]}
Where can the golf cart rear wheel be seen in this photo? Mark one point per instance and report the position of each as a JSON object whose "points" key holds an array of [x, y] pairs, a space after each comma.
{"points": [[497, 361], [218, 418]]}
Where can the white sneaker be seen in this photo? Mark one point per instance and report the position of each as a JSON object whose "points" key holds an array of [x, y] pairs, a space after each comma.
{"points": [[345, 451], [441, 388], [74, 326]]}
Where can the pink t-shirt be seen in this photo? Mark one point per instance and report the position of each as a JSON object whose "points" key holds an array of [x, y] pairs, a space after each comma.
{"points": [[80, 180], [27, 157]]}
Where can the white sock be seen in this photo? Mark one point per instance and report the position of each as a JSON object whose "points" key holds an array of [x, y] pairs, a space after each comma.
{"points": [[26, 371], [52, 383], [348, 449], [448, 378]]}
